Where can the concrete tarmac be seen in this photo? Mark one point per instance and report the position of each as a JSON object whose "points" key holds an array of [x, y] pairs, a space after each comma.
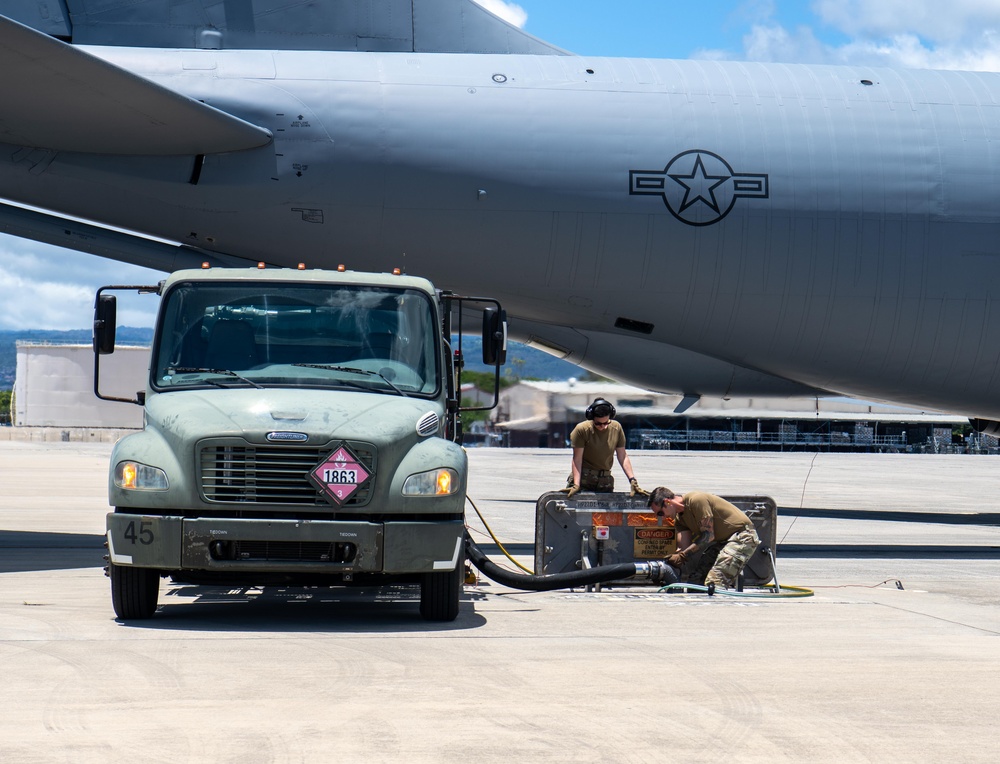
{"points": [[864, 671]]}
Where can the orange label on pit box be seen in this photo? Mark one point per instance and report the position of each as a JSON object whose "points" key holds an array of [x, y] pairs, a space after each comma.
{"points": [[607, 518], [640, 520], [654, 543], [655, 533]]}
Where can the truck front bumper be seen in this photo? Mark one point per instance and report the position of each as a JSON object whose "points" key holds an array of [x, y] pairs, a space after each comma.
{"points": [[283, 546]]}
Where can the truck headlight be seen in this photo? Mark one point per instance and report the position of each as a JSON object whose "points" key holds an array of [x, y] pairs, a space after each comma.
{"points": [[440, 482], [133, 476]]}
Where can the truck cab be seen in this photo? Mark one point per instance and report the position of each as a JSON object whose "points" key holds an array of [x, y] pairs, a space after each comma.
{"points": [[300, 428]]}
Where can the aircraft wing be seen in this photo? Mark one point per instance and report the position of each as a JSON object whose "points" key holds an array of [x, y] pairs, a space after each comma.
{"points": [[417, 26], [55, 96]]}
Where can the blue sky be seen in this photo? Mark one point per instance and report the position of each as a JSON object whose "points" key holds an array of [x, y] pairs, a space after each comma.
{"points": [[648, 29], [958, 34], [44, 288]]}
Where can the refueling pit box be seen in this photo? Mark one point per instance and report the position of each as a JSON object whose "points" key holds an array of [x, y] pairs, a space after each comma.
{"points": [[592, 529]]}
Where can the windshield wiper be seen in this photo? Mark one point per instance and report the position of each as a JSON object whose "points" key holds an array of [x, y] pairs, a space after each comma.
{"points": [[226, 372], [351, 370]]}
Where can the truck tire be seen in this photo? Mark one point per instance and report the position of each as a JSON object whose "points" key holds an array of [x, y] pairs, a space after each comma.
{"points": [[440, 593], [134, 591]]}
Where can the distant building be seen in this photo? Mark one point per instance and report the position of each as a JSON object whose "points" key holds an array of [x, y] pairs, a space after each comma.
{"points": [[474, 396], [54, 386], [542, 415]]}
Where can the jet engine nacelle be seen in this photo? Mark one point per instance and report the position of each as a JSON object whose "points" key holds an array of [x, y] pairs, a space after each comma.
{"points": [[986, 427]]}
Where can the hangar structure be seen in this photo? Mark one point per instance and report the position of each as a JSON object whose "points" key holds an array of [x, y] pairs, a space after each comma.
{"points": [[543, 414]]}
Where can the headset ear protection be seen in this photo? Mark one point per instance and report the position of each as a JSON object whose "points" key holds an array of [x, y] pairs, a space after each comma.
{"points": [[600, 407]]}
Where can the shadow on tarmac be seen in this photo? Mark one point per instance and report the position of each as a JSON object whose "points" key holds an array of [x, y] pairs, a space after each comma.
{"points": [[24, 551], [932, 518], [385, 610], [892, 551]]}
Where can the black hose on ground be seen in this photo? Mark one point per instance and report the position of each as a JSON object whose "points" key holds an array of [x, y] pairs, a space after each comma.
{"points": [[656, 571]]}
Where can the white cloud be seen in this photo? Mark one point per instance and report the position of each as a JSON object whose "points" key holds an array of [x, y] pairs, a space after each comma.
{"points": [[954, 22], [909, 51], [44, 287], [775, 43], [509, 12], [918, 34]]}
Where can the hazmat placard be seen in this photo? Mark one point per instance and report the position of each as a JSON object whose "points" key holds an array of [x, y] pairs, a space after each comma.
{"points": [[339, 475]]}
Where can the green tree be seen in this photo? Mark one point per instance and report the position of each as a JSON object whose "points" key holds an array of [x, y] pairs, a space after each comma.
{"points": [[484, 380], [589, 376], [468, 417], [960, 432], [6, 415], [515, 369]]}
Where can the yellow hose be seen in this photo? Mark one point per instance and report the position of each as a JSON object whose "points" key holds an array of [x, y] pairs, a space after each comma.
{"points": [[792, 591], [495, 539]]}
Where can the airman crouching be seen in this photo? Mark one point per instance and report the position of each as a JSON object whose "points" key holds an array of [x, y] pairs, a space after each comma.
{"points": [[723, 534]]}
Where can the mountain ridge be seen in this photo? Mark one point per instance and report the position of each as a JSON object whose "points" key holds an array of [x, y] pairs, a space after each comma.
{"points": [[523, 362]]}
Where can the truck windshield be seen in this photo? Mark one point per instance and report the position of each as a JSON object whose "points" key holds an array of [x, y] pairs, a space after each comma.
{"points": [[377, 339]]}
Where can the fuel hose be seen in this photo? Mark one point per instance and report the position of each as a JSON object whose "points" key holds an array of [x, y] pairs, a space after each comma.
{"points": [[656, 571]]}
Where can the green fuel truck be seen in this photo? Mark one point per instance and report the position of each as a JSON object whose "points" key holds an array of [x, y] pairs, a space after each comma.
{"points": [[300, 428]]}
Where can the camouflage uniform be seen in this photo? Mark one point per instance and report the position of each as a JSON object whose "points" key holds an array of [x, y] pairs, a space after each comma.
{"points": [[722, 561], [600, 481], [736, 540]]}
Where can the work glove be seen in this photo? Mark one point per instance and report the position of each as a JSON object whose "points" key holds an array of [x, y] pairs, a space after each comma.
{"points": [[571, 491], [677, 560], [636, 490]]}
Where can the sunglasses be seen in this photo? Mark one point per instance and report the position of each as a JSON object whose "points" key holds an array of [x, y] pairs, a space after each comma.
{"points": [[602, 424]]}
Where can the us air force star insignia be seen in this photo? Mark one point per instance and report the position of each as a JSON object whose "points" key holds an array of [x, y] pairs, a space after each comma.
{"points": [[698, 187]]}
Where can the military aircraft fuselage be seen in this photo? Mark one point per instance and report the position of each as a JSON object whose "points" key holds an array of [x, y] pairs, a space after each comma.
{"points": [[699, 227]]}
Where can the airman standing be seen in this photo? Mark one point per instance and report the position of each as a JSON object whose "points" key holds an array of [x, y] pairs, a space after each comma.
{"points": [[596, 442]]}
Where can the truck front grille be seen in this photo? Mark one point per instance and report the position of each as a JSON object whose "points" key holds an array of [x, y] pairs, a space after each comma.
{"points": [[293, 551], [272, 474]]}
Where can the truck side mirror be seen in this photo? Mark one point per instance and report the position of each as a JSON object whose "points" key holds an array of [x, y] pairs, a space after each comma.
{"points": [[105, 318], [494, 337]]}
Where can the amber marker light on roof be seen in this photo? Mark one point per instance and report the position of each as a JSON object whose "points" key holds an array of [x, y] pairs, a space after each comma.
{"points": [[341, 268], [260, 265], [302, 266], [205, 265], [396, 272]]}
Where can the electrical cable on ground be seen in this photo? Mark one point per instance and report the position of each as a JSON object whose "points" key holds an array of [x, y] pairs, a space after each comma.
{"points": [[896, 581], [802, 499]]}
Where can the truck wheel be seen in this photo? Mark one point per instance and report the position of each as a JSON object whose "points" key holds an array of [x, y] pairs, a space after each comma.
{"points": [[440, 593], [134, 591]]}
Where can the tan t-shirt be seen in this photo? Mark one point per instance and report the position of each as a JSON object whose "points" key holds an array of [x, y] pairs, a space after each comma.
{"points": [[598, 447], [699, 507]]}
